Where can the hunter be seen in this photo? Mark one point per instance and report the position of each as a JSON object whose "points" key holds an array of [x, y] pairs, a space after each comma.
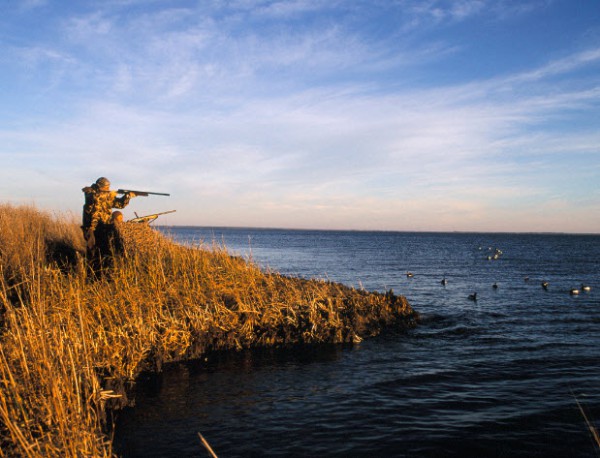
{"points": [[98, 222]]}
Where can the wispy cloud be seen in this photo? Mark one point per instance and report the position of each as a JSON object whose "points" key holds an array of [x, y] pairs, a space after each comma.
{"points": [[559, 67]]}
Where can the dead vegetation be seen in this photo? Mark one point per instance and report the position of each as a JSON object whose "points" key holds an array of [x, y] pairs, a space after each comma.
{"points": [[71, 340]]}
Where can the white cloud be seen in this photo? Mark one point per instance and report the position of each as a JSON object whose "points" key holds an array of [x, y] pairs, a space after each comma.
{"points": [[558, 67]]}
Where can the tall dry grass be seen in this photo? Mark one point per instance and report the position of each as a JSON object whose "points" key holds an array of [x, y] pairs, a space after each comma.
{"points": [[71, 341]]}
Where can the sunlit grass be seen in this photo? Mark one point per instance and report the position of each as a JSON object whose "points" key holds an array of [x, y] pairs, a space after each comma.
{"points": [[71, 340]]}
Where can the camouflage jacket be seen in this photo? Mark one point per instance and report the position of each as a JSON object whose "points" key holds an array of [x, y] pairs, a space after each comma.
{"points": [[99, 204]]}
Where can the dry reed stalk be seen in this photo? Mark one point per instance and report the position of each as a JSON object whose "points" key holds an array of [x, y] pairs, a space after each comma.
{"points": [[207, 446], [589, 424]]}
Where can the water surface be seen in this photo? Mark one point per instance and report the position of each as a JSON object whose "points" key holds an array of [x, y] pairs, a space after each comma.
{"points": [[492, 377]]}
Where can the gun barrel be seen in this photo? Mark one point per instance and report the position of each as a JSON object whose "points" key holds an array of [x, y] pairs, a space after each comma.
{"points": [[142, 193]]}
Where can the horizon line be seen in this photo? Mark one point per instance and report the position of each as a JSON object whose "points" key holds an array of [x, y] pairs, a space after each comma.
{"points": [[428, 231]]}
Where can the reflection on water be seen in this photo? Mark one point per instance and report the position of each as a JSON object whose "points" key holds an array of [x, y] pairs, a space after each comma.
{"points": [[244, 387]]}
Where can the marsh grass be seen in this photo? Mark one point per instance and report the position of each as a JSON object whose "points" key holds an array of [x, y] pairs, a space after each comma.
{"points": [[72, 340]]}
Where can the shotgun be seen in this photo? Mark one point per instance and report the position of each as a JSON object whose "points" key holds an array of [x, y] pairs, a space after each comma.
{"points": [[147, 218]]}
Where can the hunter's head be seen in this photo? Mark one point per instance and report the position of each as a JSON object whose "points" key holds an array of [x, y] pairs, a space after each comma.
{"points": [[116, 217], [103, 184]]}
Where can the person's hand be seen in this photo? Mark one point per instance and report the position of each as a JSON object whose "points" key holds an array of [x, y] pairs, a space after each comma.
{"points": [[131, 194]]}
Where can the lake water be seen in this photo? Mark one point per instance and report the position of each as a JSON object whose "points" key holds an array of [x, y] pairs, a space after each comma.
{"points": [[491, 377]]}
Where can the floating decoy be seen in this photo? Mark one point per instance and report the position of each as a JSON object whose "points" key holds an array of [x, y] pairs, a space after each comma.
{"points": [[526, 278], [473, 297], [545, 284], [586, 288], [574, 292], [409, 274], [495, 286], [444, 281]]}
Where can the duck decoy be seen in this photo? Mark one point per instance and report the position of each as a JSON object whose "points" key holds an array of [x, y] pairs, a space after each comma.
{"points": [[444, 281], [409, 274], [545, 284], [473, 297], [495, 286], [586, 288], [574, 292]]}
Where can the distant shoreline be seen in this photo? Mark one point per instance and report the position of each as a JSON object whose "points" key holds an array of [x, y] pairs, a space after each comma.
{"points": [[376, 231]]}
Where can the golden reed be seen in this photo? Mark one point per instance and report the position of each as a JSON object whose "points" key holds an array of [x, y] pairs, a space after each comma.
{"points": [[70, 340]]}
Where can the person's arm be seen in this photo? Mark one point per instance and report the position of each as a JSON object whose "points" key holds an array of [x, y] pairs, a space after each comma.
{"points": [[123, 201]]}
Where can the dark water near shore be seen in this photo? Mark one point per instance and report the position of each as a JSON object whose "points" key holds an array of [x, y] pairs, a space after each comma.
{"points": [[491, 377]]}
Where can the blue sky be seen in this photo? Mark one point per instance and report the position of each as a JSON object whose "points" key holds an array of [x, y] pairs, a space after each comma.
{"points": [[464, 115]]}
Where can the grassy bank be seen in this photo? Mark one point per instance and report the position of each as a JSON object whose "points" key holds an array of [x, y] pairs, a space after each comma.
{"points": [[70, 341]]}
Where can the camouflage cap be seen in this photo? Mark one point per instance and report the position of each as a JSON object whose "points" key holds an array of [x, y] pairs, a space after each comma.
{"points": [[103, 182]]}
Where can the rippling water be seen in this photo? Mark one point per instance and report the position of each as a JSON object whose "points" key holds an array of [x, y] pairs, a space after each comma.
{"points": [[492, 377]]}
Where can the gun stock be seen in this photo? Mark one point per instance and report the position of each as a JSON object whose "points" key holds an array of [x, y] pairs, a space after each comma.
{"points": [[141, 193]]}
